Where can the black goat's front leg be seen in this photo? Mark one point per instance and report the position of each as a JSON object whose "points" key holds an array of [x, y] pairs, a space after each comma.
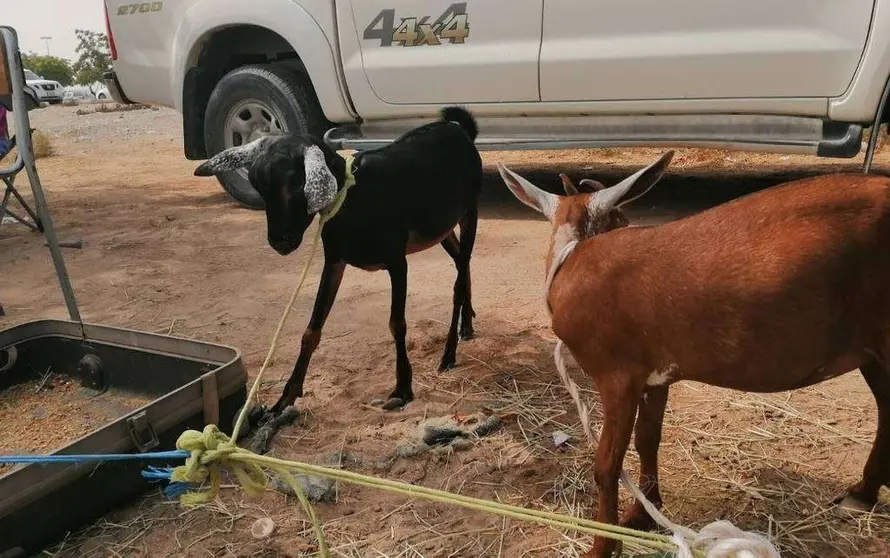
{"points": [[328, 286], [462, 309], [402, 394]]}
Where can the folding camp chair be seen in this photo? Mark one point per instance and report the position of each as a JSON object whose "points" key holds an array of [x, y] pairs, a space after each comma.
{"points": [[12, 96], [8, 179], [7, 175]]}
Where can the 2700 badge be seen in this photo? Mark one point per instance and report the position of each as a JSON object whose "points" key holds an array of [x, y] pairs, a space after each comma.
{"points": [[139, 8], [452, 25]]}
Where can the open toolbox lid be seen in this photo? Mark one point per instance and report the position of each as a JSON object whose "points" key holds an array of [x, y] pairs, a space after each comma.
{"points": [[191, 383]]}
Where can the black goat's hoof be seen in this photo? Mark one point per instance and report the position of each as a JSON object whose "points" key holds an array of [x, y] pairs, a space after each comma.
{"points": [[466, 335], [447, 364], [256, 417], [262, 437], [260, 415], [848, 506], [390, 404], [394, 403]]}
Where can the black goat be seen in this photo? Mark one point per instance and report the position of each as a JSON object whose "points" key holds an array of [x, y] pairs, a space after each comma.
{"points": [[407, 197]]}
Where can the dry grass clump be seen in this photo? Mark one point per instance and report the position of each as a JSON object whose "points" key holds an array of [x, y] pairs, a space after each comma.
{"points": [[43, 145]]}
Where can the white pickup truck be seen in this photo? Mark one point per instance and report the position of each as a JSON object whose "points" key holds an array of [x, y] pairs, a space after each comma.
{"points": [[801, 76]]}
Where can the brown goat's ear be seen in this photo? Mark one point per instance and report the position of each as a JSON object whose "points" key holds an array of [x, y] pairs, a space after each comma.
{"points": [[568, 185], [528, 193], [631, 187]]}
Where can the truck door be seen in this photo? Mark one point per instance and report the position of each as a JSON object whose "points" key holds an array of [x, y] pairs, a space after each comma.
{"points": [[439, 51], [687, 49]]}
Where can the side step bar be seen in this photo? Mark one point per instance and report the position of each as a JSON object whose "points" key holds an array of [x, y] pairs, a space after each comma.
{"points": [[780, 134]]}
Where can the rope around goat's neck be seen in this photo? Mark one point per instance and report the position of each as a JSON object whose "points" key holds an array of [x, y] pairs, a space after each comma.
{"points": [[558, 260]]}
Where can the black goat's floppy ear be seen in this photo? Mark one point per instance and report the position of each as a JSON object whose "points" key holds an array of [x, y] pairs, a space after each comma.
{"points": [[235, 157], [321, 185]]}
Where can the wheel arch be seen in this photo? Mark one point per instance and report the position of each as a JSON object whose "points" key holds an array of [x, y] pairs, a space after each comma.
{"points": [[211, 42]]}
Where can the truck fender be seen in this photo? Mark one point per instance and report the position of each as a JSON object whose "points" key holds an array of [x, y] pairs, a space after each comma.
{"points": [[861, 100], [288, 19]]}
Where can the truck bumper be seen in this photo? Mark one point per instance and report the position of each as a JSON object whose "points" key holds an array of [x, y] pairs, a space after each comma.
{"points": [[114, 88]]}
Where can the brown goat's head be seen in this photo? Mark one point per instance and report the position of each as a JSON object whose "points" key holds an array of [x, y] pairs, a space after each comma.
{"points": [[587, 210], [297, 176]]}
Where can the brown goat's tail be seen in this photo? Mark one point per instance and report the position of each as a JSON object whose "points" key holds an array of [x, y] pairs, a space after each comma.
{"points": [[461, 117]]}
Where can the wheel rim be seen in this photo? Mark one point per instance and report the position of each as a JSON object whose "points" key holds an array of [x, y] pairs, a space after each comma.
{"points": [[251, 119]]}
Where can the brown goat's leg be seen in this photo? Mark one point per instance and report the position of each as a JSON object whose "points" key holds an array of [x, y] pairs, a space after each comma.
{"points": [[647, 438], [620, 397], [864, 494], [402, 394], [328, 285]]}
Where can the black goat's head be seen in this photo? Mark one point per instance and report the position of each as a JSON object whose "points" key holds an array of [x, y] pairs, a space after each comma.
{"points": [[297, 176]]}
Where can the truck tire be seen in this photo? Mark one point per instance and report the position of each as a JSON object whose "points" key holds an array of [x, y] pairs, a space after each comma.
{"points": [[250, 102]]}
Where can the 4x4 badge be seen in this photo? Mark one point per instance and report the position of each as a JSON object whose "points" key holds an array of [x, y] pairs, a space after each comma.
{"points": [[452, 25]]}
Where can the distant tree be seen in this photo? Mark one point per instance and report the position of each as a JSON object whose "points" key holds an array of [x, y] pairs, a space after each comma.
{"points": [[93, 56], [49, 67]]}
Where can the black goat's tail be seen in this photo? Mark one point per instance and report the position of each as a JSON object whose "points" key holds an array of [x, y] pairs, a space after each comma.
{"points": [[463, 118]]}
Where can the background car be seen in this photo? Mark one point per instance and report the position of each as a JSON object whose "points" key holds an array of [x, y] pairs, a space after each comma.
{"points": [[48, 91]]}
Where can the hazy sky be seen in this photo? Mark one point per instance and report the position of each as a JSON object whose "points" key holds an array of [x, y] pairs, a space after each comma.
{"points": [[54, 18]]}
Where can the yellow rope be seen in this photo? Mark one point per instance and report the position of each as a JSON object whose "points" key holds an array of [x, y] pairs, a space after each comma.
{"points": [[211, 451], [252, 478], [324, 216]]}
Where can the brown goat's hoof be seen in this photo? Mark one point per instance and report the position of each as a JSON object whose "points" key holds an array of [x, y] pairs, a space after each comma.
{"points": [[638, 522], [599, 552]]}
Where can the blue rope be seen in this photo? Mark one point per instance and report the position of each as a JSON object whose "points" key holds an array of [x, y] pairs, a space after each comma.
{"points": [[91, 458], [152, 474], [173, 489]]}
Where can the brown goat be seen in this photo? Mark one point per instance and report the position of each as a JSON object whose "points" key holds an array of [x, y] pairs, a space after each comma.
{"points": [[774, 291]]}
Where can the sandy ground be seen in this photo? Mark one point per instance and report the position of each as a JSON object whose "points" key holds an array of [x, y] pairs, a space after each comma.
{"points": [[167, 252]]}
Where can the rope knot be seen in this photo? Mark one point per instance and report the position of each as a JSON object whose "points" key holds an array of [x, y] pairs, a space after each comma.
{"points": [[211, 450]]}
